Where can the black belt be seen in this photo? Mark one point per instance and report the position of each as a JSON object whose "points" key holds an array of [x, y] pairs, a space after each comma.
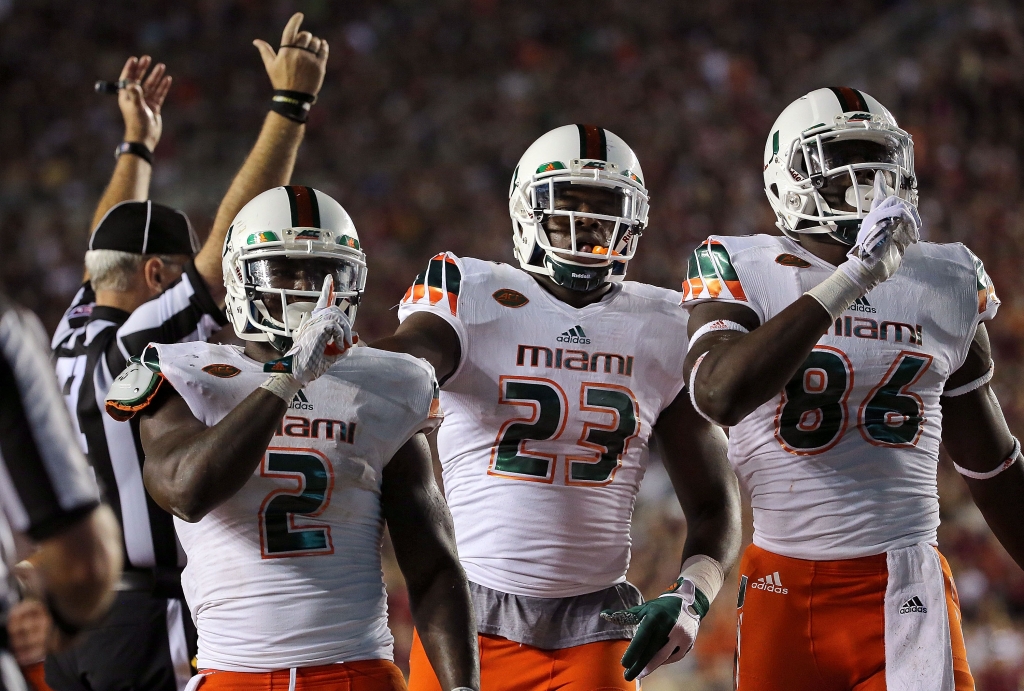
{"points": [[159, 582]]}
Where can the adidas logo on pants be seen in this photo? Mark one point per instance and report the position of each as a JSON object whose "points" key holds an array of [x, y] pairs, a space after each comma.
{"points": [[772, 583]]}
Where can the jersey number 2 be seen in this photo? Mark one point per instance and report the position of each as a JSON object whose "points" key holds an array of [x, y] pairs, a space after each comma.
{"points": [[511, 458], [813, 413], [280, 535]]}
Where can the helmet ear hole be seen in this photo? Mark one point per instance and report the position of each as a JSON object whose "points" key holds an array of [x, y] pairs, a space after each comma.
{"points": [[775, 190]]}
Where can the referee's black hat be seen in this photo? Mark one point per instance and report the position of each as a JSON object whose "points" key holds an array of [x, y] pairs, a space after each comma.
{"points": [[145, 228]]}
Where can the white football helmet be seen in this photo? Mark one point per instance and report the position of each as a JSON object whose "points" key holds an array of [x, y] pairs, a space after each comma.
{"points": [[576, 155], [281, 235], [823, 139]]}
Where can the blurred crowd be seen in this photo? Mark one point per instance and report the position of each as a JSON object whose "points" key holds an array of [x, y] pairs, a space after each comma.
{"points": [[428, 106]]}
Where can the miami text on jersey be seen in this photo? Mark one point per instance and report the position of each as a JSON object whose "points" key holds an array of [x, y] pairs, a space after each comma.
{"points": [[863, 327], [579, 360], [297, 426]]}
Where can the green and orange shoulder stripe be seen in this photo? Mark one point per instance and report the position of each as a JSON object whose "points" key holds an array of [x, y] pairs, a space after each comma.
{"points": [[710, 274], [440, 283]]}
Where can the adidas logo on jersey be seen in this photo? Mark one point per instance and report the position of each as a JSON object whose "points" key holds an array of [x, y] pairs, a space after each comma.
{"points": [[914, 604], [772, 583], [573, 335], [862, 305], [300, 402]]}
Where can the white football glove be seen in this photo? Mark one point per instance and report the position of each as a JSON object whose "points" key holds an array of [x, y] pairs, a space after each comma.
{"points": [[321, 339], [891, 226], [317, 344]]}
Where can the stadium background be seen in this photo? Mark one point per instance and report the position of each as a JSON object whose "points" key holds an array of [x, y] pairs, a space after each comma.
{"points": [[426, 109]]}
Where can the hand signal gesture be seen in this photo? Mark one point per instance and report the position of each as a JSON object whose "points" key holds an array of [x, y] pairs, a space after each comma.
{"points": [[141, 100], [300, 62]]}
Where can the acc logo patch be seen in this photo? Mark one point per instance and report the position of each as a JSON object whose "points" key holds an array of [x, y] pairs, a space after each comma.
{"points": [[792, 260], [510, 298], [222, 371]]}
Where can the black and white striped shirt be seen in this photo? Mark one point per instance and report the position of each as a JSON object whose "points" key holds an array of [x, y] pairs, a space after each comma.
{"points": [[91, 346], [45, 482]]}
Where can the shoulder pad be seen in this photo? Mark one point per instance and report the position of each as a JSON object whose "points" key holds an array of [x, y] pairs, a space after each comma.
{"points": [[132, 391]]}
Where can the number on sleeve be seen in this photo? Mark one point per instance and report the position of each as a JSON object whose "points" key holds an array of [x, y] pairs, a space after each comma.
{"points": [[280, 536], [608, 441], [547, 401]]}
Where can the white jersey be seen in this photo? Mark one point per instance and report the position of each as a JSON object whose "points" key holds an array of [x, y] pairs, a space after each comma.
{"points": [[287, 572], [842, 463], [547, 421]]}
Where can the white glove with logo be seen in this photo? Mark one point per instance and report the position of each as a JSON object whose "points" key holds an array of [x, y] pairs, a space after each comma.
{"points": [[892, 225], [317, 344]]}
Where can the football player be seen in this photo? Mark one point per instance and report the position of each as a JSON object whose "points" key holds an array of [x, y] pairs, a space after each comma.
{"points": [[555, 374], [282, 462], [842, 355]]}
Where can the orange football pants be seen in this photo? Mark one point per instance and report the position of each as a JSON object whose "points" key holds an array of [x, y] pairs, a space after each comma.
{"points": [[823, 627], [509, 666], [362, 675]]}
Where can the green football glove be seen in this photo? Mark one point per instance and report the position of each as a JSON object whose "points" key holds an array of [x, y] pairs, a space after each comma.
{"points": [[667, 628]]}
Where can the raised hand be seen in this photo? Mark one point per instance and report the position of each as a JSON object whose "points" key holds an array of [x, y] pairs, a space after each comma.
{"points": [[320, 340], [301, 61], [887, 230], [142, 99]]}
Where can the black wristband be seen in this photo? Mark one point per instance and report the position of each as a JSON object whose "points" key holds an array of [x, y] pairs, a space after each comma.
{"points": [[62, 624], [137, 148], [293, 105]]}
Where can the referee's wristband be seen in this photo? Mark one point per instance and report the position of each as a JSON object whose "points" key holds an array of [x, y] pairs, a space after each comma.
{"points": [[293, 105], [135, 148]]}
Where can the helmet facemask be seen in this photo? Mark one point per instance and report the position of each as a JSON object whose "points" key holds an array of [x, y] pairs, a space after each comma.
{"points": [[546, 204], [832, 168], [283, 281]]}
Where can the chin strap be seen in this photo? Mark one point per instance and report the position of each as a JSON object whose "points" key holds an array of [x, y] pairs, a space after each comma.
{"points": [[577, 276]]}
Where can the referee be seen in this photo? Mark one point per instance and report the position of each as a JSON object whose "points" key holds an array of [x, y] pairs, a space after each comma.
{"points": [[145, 286], [148, 284], [48, 493]]}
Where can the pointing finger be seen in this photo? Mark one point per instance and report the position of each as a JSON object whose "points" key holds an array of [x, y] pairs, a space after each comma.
{"points": [[326, 294], [880, 192], [291, 28]]}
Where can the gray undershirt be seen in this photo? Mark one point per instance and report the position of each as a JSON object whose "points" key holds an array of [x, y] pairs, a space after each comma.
{"points": [[553, 623]]}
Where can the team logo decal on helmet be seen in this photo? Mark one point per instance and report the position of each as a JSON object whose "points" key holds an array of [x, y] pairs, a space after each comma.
{"points": [[289, 234], [821, 157], [571, 155]]}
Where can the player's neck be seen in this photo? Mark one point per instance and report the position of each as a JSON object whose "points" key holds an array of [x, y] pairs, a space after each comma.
{"points": [[261, 352], [825, 248], [573, 298]]}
